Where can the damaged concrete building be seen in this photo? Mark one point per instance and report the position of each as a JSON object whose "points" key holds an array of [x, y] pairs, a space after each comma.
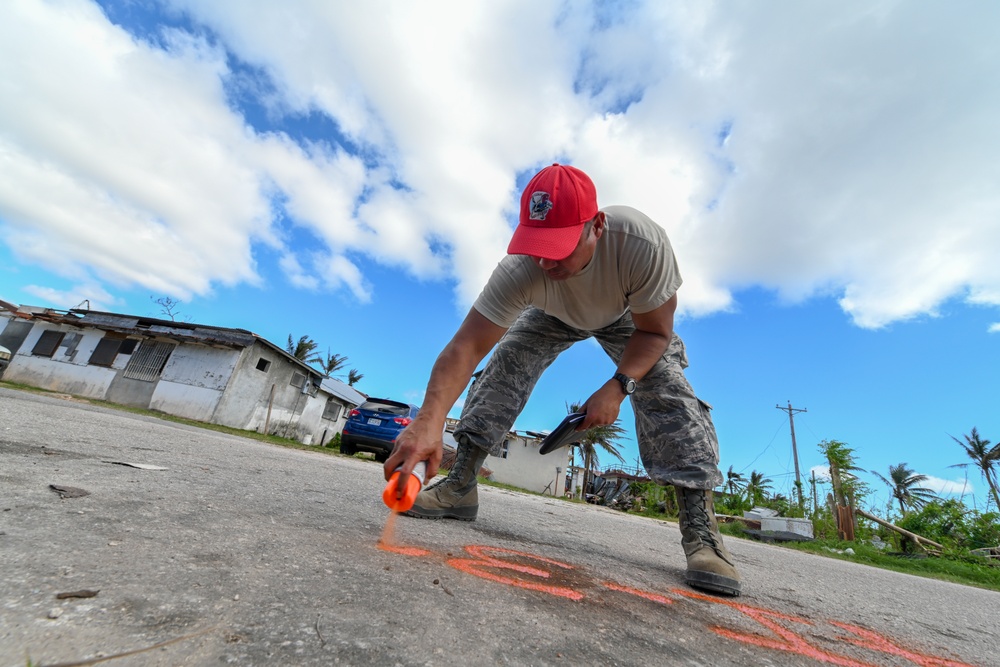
{"points": [[219, 375]]}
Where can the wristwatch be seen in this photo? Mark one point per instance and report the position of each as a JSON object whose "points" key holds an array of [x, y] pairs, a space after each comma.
{"points": [[628, 384]]}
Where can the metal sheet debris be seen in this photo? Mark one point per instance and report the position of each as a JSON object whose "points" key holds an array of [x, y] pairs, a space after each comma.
{"points": [[140, 466], [68, 491]]}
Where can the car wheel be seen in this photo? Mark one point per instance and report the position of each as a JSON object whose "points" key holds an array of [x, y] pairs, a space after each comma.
{"points": [[382, 457], [346, 449]]}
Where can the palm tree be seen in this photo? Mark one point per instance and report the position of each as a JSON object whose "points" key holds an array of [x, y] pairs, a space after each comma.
{"points": [[734, 482], [304, 350], [903, 482], [757, 487], [333, 363], [353, 377], [983, 457], [599, 436]]}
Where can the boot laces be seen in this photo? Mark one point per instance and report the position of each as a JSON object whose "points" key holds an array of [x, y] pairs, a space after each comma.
{"points": [[697, 517]]}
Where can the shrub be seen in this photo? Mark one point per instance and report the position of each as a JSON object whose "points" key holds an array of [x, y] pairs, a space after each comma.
{"points": [[953, 525]]}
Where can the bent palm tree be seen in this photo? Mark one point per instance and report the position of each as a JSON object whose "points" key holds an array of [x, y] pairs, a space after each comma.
{"points": [[903, 482], [734, 482], [983, 457], [353, 377]]}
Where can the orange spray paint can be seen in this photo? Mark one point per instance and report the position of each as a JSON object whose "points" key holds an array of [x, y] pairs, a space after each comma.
{"points": [[410, 488]]}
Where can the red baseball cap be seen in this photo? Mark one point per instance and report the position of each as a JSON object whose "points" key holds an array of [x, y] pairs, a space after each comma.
{"points": [[555, 205]]}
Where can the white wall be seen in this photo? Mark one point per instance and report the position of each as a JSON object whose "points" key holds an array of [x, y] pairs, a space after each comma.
{"points": [[525, 468], [65, 371], [193, 380]]}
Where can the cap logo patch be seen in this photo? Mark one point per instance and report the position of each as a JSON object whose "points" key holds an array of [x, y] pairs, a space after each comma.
{"points": [[540, 205]]}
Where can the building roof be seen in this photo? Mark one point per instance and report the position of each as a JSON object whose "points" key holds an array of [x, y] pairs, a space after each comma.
{"points": [[343, 391], [187, 332]]}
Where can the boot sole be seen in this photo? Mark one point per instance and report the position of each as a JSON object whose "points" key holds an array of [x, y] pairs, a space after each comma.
{"points": [[462, 514], [714, 583]]}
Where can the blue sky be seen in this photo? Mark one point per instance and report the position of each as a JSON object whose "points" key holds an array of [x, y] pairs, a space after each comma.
{"points": [[350, 171]]}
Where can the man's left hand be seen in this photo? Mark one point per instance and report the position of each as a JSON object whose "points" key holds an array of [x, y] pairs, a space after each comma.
{"points": [[603, 406]]}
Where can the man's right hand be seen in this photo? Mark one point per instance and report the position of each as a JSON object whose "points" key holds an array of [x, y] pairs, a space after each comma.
{"points": [[420, 441]]}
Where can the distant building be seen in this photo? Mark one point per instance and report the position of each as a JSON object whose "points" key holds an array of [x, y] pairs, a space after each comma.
{"points": [[520, 463], [219, 375]]}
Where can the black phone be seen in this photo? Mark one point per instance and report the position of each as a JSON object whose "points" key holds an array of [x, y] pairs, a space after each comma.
{"points": [[564, 434]]}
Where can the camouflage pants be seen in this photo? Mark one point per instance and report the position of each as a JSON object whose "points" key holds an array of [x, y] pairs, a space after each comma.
{"points": [[677, 440]]}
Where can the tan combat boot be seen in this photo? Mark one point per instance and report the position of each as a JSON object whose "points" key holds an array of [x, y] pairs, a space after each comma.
{"points": [[456, 496], [710, 565]]}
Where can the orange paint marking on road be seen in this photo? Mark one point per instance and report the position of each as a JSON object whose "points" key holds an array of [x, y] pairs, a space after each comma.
{"points": [[480, 565], [388, 540], [790, 641], [782, 638], [405, 551], [876, 642], [653, 597]]}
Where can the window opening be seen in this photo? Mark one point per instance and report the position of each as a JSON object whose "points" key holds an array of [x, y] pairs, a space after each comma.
{"points": [[47, 343], [106, 351], [332, 410], [148, 361], [263, 364]]}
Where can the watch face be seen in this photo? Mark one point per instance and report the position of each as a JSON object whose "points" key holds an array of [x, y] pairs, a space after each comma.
{"points": [[628, 384]]}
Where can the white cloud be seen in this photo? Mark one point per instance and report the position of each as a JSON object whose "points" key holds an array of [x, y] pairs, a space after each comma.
{"points": [[821, 473], [840, 150], [994, 328], [87, 296], [949, 487]]}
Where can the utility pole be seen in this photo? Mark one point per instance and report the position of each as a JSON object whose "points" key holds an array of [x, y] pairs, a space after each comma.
{"points": [[795, 452], [815, 501]]}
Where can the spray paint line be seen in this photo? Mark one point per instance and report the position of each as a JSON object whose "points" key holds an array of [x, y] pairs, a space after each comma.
{"points": [[782, 638], [795, 643], [652, 597], [481, 564], [404, 551], [876, 642]]}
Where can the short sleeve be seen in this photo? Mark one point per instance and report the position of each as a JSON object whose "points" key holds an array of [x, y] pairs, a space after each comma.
{"points": [[505, 295]]}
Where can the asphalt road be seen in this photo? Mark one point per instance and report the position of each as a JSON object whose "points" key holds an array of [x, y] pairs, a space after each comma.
{"points": [[251, 554]]}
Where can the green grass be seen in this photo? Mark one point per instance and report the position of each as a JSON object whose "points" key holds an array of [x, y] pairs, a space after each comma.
{"points": [[956, 569], [966, 570]]}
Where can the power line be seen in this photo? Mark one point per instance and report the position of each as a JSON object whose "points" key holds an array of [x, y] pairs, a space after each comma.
{"points": [[763, 451]]}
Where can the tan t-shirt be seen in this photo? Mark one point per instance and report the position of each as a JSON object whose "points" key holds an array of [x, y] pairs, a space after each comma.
{"points": [[633, 268]]}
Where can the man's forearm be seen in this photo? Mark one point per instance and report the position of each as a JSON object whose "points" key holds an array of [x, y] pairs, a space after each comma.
{"points": [[451, 373], [642, 352]]}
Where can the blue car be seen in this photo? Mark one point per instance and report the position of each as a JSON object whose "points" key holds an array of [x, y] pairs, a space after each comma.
{"points": [[374, 425]]}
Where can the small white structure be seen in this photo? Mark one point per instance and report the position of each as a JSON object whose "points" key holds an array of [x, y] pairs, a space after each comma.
{"points": [[520, 464], [782, 524], [213, 374]]}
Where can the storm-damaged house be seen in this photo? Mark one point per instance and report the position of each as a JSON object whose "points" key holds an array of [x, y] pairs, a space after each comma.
{"points": [[213, 374]]}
